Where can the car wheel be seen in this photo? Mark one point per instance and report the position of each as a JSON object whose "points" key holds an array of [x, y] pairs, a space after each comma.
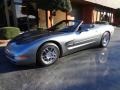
{"points": [[48, 54], [105, 39]]}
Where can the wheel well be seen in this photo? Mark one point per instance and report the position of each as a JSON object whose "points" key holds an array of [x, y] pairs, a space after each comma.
{"points": [[58, 44], [108, 32]]}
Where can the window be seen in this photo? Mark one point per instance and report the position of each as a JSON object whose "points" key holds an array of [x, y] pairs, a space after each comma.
{"points": [[25, 21]]}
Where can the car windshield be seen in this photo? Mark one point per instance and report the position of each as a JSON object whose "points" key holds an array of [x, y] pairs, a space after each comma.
{"points": [[65, 26]]}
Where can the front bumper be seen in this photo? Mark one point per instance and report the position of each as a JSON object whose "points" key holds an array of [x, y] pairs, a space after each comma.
{"points": [[14, 59]]}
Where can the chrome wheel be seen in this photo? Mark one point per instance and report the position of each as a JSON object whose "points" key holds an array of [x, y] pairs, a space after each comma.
{"points": [[48, 54], [105, 39]]}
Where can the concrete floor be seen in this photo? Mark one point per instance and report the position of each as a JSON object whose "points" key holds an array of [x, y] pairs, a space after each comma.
{"points": [[92, 69]]}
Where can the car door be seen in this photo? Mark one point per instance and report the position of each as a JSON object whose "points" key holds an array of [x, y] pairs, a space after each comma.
{"points": [[85, 37]]}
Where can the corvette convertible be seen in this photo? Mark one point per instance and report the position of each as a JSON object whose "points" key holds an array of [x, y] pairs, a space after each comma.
{"points": [[65, 37]]}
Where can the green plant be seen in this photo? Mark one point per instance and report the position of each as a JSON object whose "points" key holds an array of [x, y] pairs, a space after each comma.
{"points": [[9, 32]]}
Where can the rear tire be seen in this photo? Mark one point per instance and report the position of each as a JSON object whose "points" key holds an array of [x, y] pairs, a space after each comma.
{"points": [[105, 40], [48, 54]]}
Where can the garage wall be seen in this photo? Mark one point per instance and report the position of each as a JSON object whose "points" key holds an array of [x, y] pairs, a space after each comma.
{"points": [[103, 14], [42, 18], [59, 16]]}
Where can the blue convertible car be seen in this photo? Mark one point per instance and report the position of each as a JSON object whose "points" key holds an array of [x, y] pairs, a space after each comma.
{"points": [[65, 37]]}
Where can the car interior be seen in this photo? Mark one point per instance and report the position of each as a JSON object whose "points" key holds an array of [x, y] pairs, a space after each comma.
{"points": [[86, 27]]}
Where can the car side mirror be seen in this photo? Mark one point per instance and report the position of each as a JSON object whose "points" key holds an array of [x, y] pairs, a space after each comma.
{"points": [[79, 29]]}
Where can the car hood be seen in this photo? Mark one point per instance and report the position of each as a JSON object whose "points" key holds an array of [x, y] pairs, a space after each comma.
{"points": [[33, 35]]}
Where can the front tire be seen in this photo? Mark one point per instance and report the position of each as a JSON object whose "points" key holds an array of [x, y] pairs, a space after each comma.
{"points": [[105, 39], [48, 54]]}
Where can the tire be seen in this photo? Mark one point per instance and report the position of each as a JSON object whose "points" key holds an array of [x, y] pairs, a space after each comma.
{"points": [[105, 40], [48, 54]]}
